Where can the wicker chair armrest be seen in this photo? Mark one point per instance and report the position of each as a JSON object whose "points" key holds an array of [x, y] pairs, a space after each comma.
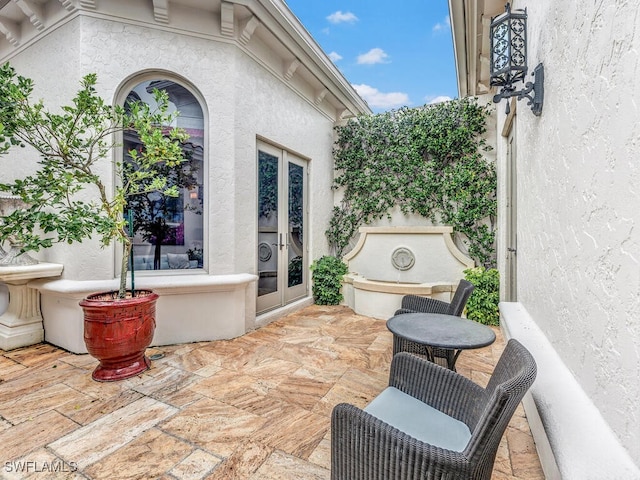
{"points": [[404, 310], [366, 448], [448, 391], [424, 304]]}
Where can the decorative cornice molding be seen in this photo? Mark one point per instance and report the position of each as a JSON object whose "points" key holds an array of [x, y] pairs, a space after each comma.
{"points": [[10, 31], [290, 68], [33, 11], [227, 27], [161, 11], [248, 29], [319, 98], [68, 5], [239, 21]]}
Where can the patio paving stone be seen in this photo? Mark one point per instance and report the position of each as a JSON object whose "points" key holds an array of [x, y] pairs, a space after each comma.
{"points": [[280, 466], [243, 462], [34, 433], [35, 402], [149, 455], [255, 407], [214, 426], [195, 466], [97, 439], [91, 408], [49, 467]]}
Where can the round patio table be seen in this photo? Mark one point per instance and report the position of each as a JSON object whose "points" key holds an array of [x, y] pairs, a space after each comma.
{"points": [[430, 332]]}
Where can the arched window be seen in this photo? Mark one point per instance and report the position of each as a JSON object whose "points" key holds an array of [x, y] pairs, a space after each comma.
{"points": [[168, 231]]}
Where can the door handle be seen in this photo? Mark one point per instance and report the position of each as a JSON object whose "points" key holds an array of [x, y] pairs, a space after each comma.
{"points": [[279, 245], [511, 249]]}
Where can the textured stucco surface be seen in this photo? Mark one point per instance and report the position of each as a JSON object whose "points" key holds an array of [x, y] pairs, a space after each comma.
{"points": [[266, 108], [248, 93], [241, 99], [578, 200]]}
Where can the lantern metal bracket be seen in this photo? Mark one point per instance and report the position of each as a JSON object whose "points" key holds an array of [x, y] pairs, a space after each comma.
{"points": [[536, 99]]}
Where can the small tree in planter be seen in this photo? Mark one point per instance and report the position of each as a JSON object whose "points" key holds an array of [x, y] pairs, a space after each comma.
{"points": [[72, 145]]}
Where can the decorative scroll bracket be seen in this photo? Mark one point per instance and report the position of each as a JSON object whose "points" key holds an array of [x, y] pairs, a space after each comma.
{"points": [[537, 87]]}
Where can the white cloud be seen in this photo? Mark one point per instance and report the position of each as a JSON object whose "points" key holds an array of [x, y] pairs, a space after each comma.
{"points": [[342, 17], [373, 56], [378, 99], [442, 26], [335, 56], [438, 99]]}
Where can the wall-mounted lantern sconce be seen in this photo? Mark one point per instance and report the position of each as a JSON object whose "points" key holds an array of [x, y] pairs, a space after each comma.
{"points": [[509, 60]]}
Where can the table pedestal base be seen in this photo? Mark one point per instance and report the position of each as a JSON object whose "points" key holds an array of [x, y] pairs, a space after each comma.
{"points": [[441, 356]]}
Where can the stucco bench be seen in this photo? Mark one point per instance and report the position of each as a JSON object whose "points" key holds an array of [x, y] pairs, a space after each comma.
{"points": [[191, 307], [572, 438]]}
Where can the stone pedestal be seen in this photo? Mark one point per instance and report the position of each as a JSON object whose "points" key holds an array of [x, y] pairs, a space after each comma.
{"points": [[21, 324]]}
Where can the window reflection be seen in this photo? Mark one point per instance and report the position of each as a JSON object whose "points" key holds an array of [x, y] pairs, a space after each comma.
{"points": [[296, 219], [168, 231], [268, 241]]}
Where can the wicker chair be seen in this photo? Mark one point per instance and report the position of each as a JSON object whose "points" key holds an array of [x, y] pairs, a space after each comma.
{"points": [[431, 423], [413, 303]]}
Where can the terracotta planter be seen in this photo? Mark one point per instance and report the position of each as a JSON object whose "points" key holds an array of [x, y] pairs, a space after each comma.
{"points": [[118, 331]]}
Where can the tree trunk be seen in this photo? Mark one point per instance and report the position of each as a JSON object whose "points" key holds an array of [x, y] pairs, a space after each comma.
{"points": [[126, 252], [156, 253]]}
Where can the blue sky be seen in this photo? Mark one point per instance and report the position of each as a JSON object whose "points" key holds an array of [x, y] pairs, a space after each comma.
{"points": [[394, 53]]}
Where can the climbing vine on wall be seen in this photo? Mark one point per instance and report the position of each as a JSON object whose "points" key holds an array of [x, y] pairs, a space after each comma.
{"points": [[424, 160]]}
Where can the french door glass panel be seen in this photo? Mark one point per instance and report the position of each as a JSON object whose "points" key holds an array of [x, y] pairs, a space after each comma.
{"points": [[268, 245], [296, 225]]}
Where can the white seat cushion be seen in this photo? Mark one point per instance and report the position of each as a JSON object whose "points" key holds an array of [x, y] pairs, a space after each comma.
{"points": [[419, 420], [178, 260]]}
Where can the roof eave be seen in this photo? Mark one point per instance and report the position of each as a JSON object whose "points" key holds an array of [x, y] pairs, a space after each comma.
{"points": [[301, 43]]}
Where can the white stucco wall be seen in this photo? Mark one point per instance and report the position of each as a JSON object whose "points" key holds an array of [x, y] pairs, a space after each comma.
{"points": [[578, 200], [37, 63], [242, 99], [265, 107], [245, 96]]}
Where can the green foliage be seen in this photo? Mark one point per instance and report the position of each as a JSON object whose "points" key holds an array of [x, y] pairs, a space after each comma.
{"points": [[72, 145], [268, 184], [294, 271], [268, 189], [482, 306], [327, 280], [426, 161], [196, 254]]}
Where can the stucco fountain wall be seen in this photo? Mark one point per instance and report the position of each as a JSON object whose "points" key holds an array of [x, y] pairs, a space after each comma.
{"points": [[390, 262]]}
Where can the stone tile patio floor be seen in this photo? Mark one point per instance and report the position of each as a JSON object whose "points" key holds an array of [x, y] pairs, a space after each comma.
{"points": [[255, 407]]}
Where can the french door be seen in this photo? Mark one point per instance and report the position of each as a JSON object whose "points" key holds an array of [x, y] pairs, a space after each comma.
{"points": [[282, 225]]}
